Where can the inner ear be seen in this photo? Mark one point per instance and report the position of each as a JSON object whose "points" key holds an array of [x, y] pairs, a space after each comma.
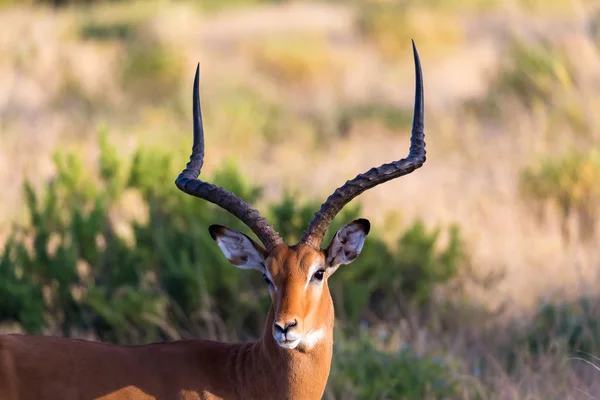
{"points": [[347, 243], [238, 248]]}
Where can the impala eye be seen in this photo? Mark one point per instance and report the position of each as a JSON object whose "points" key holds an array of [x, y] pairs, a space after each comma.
{"points": [[318, 276]]}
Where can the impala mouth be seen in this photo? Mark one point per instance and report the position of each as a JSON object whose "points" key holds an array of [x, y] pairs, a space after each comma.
{"points": [[289, 344]]}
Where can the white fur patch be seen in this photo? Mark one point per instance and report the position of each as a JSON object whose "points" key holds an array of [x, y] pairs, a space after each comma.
{"points": [[312, 338], [268, 274], [308, 341], [311, 271]]}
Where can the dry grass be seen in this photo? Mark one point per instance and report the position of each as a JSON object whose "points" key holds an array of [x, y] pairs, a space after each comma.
{"points": [[295, 60], [60, 81], [388, 25]]}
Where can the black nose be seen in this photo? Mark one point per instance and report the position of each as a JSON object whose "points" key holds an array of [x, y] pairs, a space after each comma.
{"points": [[286, 327]]}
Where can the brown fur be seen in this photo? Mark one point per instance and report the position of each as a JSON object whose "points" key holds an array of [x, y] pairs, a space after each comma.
{"points": [[34, 367]]}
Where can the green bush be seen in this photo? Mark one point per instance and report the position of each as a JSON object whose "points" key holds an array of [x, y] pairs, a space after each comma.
{"points": [[71, 272], [537, 75], [573, 326], [394, 118], [570, 184], [362, 371], [120, 30], [213, 5], [62, 3], [152, 70]]}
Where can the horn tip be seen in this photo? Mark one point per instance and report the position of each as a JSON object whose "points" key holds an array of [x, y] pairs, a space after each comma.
{"points": [[414, 46], [196, 79]]}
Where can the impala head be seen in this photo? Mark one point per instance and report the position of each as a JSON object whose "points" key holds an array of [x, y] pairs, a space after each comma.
{"points": [[298, 275], [297, 278]]}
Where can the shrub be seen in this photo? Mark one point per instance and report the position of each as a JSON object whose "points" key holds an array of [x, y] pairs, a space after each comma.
{"points": [[98, 30], [536, 72], [220, 5], [537, 75], [570, 184], [573, 326], [168, 279], [362, 371], [393, 118], [152, 70], [247, 118], [63, 3]]}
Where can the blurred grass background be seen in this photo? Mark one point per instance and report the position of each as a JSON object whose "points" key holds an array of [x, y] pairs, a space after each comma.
{"points": [[480, 278]]}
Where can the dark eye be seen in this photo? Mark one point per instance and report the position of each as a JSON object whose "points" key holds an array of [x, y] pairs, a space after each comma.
{"points": [[266, 278], [318, 276]]}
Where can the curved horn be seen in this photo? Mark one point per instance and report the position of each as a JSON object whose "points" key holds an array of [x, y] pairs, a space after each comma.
{"points": [[187, 182], [375, 176]]}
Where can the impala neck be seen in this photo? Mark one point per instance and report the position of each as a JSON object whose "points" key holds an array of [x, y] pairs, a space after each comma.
{"points": [[305, 371], [285, 374]]}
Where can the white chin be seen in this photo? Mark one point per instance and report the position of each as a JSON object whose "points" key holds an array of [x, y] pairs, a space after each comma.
{"points": [[289, 345]]}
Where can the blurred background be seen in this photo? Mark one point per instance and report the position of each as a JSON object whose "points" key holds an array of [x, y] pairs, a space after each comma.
{"points": [[480, 277]]}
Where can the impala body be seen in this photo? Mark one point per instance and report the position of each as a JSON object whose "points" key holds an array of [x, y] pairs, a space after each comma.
{"points": [[292, 358]]}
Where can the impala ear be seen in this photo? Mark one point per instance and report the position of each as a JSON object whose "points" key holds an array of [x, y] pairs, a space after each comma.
{"points": [[347, 244], [238, 248]]}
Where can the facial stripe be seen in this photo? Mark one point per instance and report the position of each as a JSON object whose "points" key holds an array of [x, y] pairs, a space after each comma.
{"points": [[311, 271], [270, 278]]}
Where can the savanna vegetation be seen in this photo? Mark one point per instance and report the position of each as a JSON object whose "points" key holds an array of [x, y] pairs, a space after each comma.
{"points": [[479, 279]]}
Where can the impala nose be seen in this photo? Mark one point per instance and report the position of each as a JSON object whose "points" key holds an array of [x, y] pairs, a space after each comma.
{"points": [[284, 327], [286, 333]]}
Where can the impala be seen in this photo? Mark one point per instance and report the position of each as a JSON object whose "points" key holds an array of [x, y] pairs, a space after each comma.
{"points": [[292, 358]]}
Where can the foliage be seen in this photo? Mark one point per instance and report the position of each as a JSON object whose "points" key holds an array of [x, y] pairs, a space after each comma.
{"points": [[362, 371], [574, 326], [212, 5], [569, 183], [538, 75], [550, 7], [62, 3], [70, 271], [219, 5], [245, 116], [394, 118], [97, 30], [390, 283], [152, 70]]}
